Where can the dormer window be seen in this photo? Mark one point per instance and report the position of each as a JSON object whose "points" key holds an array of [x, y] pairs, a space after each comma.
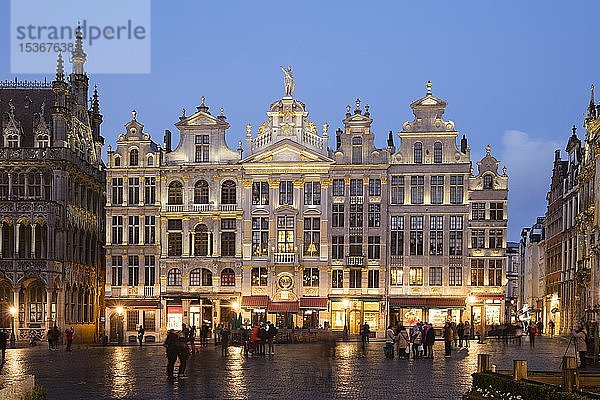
{"points": [[437, 153], [12, 141], [134, 158], [357, 150], [117, 161], [418, 153], [43, 140], [150, 160], [488, 182], [202, 148]]}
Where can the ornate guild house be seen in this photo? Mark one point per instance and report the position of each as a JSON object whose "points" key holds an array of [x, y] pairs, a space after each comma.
{"points": [[292, 231], [51, 204]]}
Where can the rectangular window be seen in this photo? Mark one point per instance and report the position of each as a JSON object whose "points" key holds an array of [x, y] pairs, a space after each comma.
{"points": [[396, 276], [374, 187], [117, 271], [117, 230], [355, 279], [456, 189], [337, 247], [415, 276], [497, 211], [337, 279], [436, 235], [260, 236], [149, 321], [312, 193], [477, 271], [397, 190], [356, 187], [260, 193], [357, 150], [355, 248], [495, 238], [417, 185], [310, 277], [339, 187], [456, 235], [285, 234], [312, 236], [150, 190], [259, 276], [478, 239], [495, 272], [374, 216], [134, 229], [149, 270], [455, 276], [134, 191], [478, 211], [286, 193], [133, 319], [337, 216], [149, 229], [133, 270], [373, 278], [373, 248], [437, 189], [117, 191], [435, 276], [397, 235], [416, 235], [174, 225], [202, 148], [356, 215], [228, 224], [174, 244], [228, 244]]}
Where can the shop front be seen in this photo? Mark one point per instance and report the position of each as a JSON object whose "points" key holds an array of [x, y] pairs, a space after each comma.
{"points": [[283, 313], [311, 307], [434, 310], [485, 312], [254, 309], [126, 316], [354, 312]]}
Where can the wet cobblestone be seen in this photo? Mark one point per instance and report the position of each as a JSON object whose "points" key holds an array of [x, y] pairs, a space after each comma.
{"points": [[305, 371]]}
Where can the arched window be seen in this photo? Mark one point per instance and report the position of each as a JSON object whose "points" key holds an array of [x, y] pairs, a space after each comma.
{"points": [[201, 240], [150, 160], [227, 277], [43, 140], [12, 140], [41, 233], [47, 176], [175, 193], [117, 161], [8, 240], [34, 184], [201, 192], [196, 277], [24, 240], [418, 153], [488, 182], [174, 277], [206, 277], [228, 193], [36, 296], [134, 158], [437, 153]]}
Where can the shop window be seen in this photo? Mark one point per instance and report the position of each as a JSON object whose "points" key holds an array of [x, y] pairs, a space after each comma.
{"points": [[133, 320]]}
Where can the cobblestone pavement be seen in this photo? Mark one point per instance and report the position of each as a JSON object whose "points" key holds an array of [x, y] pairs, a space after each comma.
{"points": [[300, 371]]}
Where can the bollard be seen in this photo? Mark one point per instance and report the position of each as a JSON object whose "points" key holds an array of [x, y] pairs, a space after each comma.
{"points": [[519, 369], [483, 362], [569, 374]]}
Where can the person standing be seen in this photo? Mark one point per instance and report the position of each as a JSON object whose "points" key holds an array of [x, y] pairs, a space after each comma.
{"points": [[193, 338], [389, 342], [448, 337], [460, 328], [430, 340], [69, 335], [183, 352], [467, 333], [50, 339], [140, 335], [551, 326], [224, 340], [417, 340], [3, 339], [403, 342], [580, 336], [532, 331], [185, 332], [172, 349], [271, 334], [425, 329]]}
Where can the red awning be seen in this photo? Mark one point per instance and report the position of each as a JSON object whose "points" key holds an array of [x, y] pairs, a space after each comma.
{"points": [[255, 301], [315, 303], [430, 302], [283, 307], [132, 303]]}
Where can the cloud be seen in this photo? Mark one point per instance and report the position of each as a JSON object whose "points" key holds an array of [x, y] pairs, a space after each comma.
{"points": [[529, 163]]}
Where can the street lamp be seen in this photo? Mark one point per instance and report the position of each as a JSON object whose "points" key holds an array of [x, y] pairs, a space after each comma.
{"points": [[346, 305], [471, 300], [13, 313], [120, 325]]}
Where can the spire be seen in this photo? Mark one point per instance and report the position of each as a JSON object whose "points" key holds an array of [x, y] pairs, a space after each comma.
{"points": [[202, 107], [78, 56], [592, 106], [60, 67], [428, 88], [574, 130], [95, 102], [390, 140], [357, 110]]}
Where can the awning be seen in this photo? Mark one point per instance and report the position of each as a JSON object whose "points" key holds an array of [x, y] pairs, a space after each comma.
{"points": [[260, 301], [314, 303], [283, 307], [132, 303], [428, 302]]}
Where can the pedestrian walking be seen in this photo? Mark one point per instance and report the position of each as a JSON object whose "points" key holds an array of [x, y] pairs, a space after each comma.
{"points": [[183, 352], [551, 325], [140, 334], [193, 338], [417, 340], [540, 327], [403, 342], [532, 331], [55, 336], [185, 332], [580, 337], [225, 332], [425, 329], [69, 335], [364, 334], [172, 349], [448, 336], [50, 335], [460, 328], [467, 334], [389, 342], [3, 340], [454, 334], [430, 340], [204, 334]]}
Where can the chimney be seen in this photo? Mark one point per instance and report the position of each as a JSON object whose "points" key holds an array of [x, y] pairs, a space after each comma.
{"points": [[167, 140], [557, 155], [338, 139], [463, 144]]}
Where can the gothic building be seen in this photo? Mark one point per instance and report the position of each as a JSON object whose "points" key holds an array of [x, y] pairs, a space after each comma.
{"points": [[51, 204], [298, 233]]}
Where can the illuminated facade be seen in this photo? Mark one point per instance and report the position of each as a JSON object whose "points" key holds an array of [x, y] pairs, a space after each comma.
{"points": [[52, 205], [302, 234]]}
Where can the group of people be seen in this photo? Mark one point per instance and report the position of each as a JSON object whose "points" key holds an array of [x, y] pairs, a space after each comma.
{"points": [[259, 340], [419, 339], [53, 335]]}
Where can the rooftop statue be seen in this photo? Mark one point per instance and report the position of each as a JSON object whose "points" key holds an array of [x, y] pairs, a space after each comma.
{"points": [[288, 81]]}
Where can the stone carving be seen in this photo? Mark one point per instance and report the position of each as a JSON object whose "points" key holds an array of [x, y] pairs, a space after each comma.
{"points": [[288, 81]]}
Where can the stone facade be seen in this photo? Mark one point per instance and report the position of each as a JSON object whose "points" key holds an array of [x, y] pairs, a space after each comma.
{"points": [[52, 204], [299, 233]]}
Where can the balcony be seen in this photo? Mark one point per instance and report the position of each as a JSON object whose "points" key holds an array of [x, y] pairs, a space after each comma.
{"points": [[357, 199], [284, 258], [396, 260], [174, 207], [148, 291], [227, 207], [202, 207], [355, 261]]}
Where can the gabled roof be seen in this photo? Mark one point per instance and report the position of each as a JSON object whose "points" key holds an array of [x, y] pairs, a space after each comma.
{"points": [[284, 151], [201, 118]]}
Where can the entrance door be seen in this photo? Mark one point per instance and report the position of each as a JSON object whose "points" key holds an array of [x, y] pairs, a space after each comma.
{"points": [[354, 321], [196, 319]]}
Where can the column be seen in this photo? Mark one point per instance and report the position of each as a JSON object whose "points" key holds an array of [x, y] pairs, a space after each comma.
{"points": [[33, 240], [215, 235], [48, 309], [185, 304], [17, 307], [216, 312], [192, 249], [209, 246], [60, 308], [1, 238], [17, 228]]}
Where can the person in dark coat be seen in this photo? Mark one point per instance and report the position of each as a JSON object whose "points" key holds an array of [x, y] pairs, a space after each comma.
{"points": [[141, 333], [172, 348], [3, 339], [430, 341], [225, 340], [183, 352]]}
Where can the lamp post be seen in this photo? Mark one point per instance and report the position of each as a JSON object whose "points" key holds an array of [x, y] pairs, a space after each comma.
{"points": [[119, 325], [13, 312], [471, 300], [346, 305]]}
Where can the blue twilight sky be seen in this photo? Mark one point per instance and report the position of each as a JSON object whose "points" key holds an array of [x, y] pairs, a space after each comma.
{"points": [[515, 74]]}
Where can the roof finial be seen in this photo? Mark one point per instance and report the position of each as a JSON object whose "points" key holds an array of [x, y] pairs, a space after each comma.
{"points": [[78, 56], [357, 110], [592, 107], [95, 102], [183, 113], [488, 149], [203, 98], [428, 88], [367, 113], [248, 130], [60, 67], [133, 115], [222, 112], [574, 130]]}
